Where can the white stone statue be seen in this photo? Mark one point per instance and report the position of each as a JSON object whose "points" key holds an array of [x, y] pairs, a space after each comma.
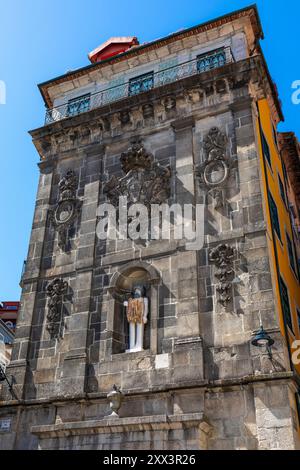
{"points": [[137, 317]]}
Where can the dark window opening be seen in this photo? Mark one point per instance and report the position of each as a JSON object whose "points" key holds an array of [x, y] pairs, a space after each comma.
{"points": [[282, 191], [285, 304], [265, 148], [274, 216], [275, 135], [291, 253]]}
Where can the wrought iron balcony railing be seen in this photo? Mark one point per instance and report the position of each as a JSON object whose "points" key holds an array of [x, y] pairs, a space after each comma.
{"points": [[143, 83]]}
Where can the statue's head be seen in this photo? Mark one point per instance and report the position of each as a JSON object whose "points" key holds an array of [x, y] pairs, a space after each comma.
{"points": [[138, 291]]}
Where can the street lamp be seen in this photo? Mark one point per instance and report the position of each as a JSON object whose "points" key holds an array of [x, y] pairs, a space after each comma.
{"points": [[262, 339]]}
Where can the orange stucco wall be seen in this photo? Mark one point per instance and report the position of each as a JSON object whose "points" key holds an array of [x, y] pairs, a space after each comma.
{"points": [[270, 181]]}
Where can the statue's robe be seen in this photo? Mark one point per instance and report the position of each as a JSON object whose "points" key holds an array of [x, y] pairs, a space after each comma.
{"points": [[135, 310]]}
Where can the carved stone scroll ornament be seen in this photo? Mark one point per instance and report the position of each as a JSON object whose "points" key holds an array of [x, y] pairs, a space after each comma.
{"points": [[67, 208], [222, 257], [215, 171], [55, 291], [145, 181]]}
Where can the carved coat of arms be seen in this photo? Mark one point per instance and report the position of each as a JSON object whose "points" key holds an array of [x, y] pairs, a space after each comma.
{"points": [[145, 181]]}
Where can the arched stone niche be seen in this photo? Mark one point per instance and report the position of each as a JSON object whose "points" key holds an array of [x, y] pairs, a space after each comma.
{"points": [[122, 284]]}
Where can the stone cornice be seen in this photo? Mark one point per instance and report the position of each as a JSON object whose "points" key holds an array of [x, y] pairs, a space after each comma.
{"points": [[207, 91], [205, 78], [111, 425], [221, 384]]}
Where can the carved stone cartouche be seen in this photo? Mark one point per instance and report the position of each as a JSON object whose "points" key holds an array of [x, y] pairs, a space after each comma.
{"points": [[67, 208], [215, 171]]}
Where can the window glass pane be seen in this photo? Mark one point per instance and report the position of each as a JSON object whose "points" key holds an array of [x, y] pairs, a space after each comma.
{"points": [[274, 216], [285, 303], [265, 148], [282, 190], [291, 253]]}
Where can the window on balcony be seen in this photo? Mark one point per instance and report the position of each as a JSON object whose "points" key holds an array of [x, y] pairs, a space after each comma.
{"points": [[285, 304], [142, 83], [78, 105], [274, 216], [212, 60]]}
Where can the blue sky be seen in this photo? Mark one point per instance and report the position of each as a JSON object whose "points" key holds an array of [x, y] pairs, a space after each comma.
{"points": [[40, 40]]}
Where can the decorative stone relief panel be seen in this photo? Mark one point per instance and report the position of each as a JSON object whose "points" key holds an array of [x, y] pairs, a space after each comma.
{"points": [[145, 181], [214, 172], [67, 208], [55, 316], [222, 257]]}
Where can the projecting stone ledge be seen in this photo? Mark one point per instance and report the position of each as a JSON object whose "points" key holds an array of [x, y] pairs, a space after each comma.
{"points": [[120, 425]]}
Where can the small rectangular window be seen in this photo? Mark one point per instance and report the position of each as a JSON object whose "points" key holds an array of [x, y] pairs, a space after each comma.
{"points": [[78, 105], [291, 253], [265, 148], [282, 191], [142, 83], [275, 135], [274, 216], [285, 304]]}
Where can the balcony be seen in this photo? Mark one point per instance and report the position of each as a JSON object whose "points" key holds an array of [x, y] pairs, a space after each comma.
{"points": [[203, 63]]}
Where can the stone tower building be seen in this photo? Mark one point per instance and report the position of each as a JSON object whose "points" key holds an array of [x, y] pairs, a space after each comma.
{"points": [[184, 120]]}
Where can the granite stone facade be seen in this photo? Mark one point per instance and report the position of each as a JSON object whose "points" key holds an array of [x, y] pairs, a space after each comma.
{"points": [[199, 383]]}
